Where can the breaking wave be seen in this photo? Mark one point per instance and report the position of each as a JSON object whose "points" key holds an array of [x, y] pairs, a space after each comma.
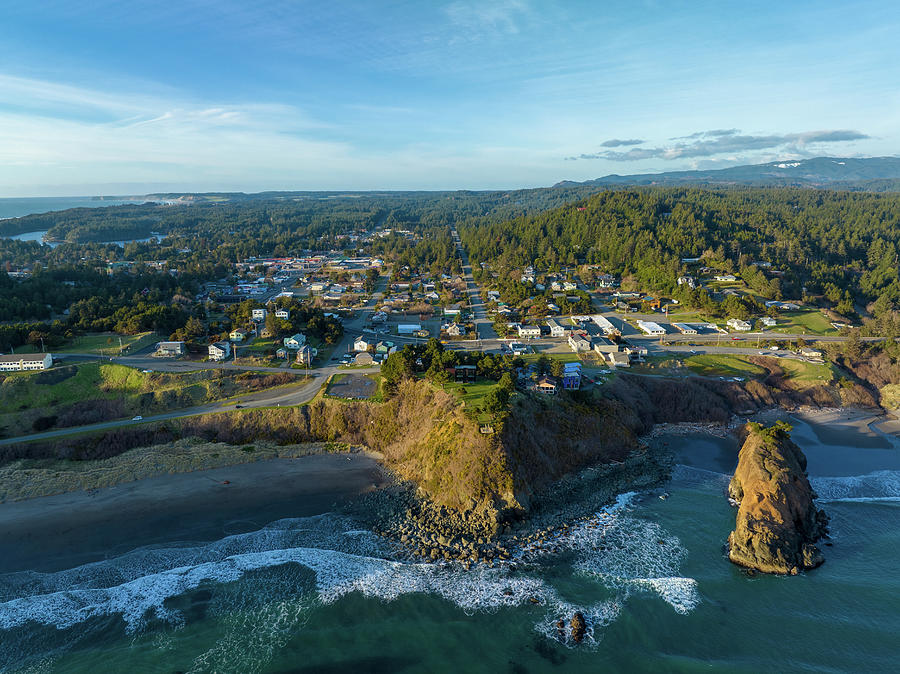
{"points": [[318, 560], [882, 485]]}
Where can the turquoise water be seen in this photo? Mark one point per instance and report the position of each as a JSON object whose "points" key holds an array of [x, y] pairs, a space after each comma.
{"points": [[315, 595]]}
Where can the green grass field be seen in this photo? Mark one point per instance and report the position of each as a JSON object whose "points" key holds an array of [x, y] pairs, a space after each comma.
{"points": [[107, 343], [807, 373], [710, 365], [805, 321]]}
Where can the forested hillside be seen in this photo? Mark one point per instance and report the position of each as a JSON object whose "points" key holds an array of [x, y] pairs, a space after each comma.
{"points": [[843, 245]]}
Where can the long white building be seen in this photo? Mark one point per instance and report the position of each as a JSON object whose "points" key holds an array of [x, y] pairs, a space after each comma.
{"points": [[651, 328], [28, 361]]}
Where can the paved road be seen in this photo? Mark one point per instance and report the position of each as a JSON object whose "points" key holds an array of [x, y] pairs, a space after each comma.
{"points": [[483, 325]]}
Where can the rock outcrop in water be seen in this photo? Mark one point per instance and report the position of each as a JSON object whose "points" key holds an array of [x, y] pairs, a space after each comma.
{"points": [[777, 521]]}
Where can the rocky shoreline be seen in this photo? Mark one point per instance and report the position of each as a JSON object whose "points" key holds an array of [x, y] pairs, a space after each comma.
{"points": [[424, 531]]}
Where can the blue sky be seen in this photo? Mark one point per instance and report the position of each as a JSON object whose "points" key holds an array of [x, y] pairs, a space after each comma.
{"points": [[120, 97]]}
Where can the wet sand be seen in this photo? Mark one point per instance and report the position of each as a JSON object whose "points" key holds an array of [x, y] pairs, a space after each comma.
{"points": [[66, 530], [836, 442]]}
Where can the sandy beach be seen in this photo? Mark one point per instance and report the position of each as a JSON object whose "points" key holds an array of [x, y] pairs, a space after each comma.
{"points": [[62, 531]]}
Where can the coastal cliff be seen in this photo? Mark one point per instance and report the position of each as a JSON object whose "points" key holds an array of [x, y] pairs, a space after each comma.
{"points": [[777, 521]]}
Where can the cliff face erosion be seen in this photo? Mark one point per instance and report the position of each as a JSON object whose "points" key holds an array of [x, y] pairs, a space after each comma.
{"points": [[777, 522]]}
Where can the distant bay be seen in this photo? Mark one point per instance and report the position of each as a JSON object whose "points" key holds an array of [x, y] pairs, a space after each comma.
{"points": [[16, 207]]}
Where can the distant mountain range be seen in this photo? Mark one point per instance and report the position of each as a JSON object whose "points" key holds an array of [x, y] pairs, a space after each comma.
{"points": [[872, 173]]}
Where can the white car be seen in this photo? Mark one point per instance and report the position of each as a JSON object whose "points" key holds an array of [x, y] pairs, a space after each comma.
{"points": [[137, 418]]}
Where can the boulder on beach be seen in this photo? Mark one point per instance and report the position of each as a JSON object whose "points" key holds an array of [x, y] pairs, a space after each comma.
{"points": [[777, 521]]}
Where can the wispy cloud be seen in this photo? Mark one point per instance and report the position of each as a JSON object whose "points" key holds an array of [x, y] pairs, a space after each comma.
{"points": [[615, 142], [480, 18], [728, 141]]}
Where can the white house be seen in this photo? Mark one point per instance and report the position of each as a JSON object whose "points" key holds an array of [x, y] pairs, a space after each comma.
{"points": [[452, 310], [529, 332], [556, 330], [306, 354], [688, 281], [361, 344], [295, 341], [812, 354], [768, 321], [579, 342], [258, 314], [455, 330], [728, 278], [31, 361], [738, 325], [651, 328], [283, 314], [169, 349], [219, 351], [238, 335]]}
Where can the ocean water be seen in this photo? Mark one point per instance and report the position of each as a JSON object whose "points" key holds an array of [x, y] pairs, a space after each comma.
{"points": [[317, 595], [16, 207]]}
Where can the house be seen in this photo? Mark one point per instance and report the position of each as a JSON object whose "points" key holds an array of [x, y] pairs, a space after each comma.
{"points": [[361, 344], [238, 335], [258, 314], [529, 332], [385, 347], [569, 285], [571, 379], [688, 281], [306, 354], [219, 351], [738, 325], [283, 314], [784, 306], [556, 330], [408, 328], [456, 330], [169, 349], [281, 352], [464, 373], [546, 385], [579, 342], [32, 361], [635, 352], [651, 328], [295, 341], [603, 345], [618, 359], [727, 278], [685, 328], [432, 296], [768, 321], [364, 358], [518, 349], [452, 310], [812, 354]]}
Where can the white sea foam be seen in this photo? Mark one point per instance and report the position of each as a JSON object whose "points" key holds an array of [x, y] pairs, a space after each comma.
{"points": [[882, 485], [322, 559]]}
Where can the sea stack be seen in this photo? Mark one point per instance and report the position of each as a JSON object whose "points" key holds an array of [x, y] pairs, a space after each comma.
{"points": [[777, 521]]}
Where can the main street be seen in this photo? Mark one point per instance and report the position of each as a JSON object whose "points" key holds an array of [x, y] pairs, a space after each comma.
{"points": [[484, 328]]}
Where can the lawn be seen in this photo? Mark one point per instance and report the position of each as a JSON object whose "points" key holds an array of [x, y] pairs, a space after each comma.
{"points": [[473, 395], [807, 373], [806, 321], [108, 343], [710, 364]]}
